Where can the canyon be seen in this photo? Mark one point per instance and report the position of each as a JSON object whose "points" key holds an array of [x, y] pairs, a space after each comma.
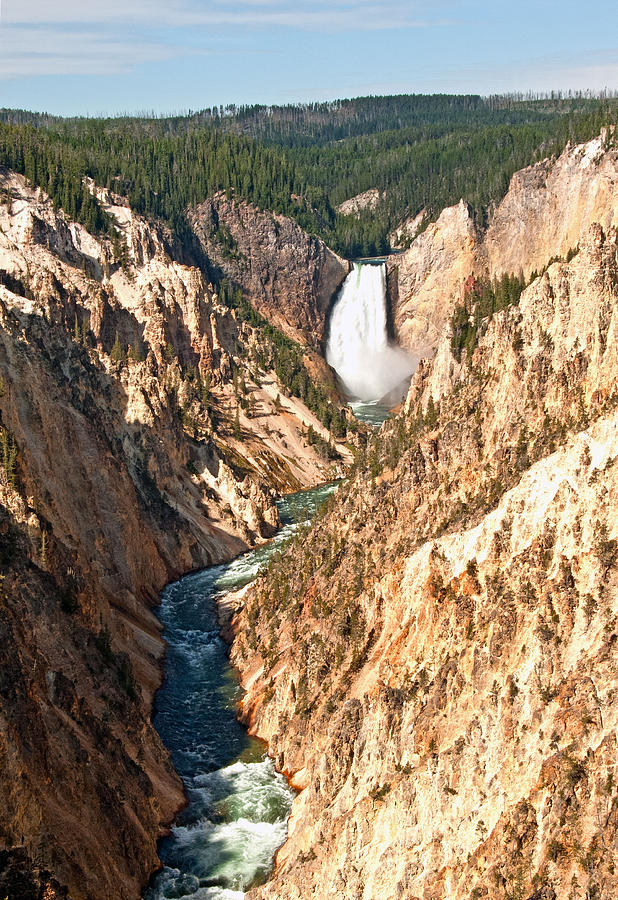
{"points": [[145, 433], [432, 662]]}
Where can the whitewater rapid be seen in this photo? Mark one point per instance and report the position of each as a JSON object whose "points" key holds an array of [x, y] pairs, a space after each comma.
{"points": [[370, 367]]}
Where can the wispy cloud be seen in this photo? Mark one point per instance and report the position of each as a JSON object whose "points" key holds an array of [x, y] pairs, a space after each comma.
{"points": [[357, 14], [70, 37], [53, 51]]}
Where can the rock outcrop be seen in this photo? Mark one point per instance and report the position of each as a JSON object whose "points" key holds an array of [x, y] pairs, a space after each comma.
{"points": [[433, 663], [550, 206], [402, 236], [425, 281], [288, 276], [355, 205], [143, 433], [545, 213]]}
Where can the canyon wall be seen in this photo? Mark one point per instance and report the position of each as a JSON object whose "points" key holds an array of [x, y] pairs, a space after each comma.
{"points": [[427, 280], [144, 433], [434, 662], [545, 214], [288, 276]]}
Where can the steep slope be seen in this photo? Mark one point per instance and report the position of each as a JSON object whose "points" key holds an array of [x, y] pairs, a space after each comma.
{"points": [[425, 281], [549, 207], [86, 783], [434, 662], [288, 276], [144, 433], [545, 214], [366, 200]]}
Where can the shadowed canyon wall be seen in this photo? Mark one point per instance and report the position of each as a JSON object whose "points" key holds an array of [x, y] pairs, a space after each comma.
{"points": [[288, 276], [144, 433]]}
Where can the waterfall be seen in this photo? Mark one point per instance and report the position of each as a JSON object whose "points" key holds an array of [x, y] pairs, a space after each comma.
{"points": [[358, 349]]}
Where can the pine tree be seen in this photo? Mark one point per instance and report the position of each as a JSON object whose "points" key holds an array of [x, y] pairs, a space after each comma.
{"points": [[431, 416], [205, 392], [135, 352], [117, 353], [8, 454], [85, 338]]}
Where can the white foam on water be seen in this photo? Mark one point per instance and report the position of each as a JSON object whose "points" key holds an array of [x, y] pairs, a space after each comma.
{"points": [[173, 883], [236, 819], [358, 347], [243, 809], [252, 791], [230, 854]]}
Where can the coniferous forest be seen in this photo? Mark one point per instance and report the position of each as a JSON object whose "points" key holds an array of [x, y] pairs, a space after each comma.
{"points": [[419, 152]]}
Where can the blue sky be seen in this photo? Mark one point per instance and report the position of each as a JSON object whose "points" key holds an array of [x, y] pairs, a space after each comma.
{"points": [[90, 57]]}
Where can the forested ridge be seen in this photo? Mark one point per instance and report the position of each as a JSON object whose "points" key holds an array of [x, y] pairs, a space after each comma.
{"points": [[307, 124], [302, 161]]}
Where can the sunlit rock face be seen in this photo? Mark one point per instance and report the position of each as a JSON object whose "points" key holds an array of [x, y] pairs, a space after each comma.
{"points": [[545, 213], [435, 664]]}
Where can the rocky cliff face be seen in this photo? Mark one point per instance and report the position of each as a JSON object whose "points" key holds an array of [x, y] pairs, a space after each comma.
{"points": [[143, 433], [366, 200], [288, 276], [545, 214], [426, 280], [434, 663], [550, 206]]}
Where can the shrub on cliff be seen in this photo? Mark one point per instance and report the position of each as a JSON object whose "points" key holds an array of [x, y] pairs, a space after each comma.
{"points": [[481, 300], [8, 454]]}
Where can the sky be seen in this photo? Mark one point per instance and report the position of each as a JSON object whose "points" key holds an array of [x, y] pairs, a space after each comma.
{"points": [[87, 57]]}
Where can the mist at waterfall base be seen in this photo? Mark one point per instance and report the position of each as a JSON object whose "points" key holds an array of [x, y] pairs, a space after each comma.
{"points": [[238, 806], [370, 368]]}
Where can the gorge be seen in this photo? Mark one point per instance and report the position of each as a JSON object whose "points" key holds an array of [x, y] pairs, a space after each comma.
{"points": [[237, 809], [224, 841], [431, 662]]}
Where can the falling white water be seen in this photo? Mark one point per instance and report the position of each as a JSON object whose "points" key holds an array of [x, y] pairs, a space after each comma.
{"points": [[358, 349]]}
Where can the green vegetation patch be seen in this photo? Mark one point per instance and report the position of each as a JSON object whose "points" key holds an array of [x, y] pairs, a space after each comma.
{"points": [[482, 299], [420, 151]]}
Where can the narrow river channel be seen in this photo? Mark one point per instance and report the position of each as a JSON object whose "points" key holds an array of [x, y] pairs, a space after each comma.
{"points": [[236, 818]]}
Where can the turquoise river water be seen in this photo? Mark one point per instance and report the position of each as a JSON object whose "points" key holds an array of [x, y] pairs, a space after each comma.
{"points": [[238, 806], [236, 817]]}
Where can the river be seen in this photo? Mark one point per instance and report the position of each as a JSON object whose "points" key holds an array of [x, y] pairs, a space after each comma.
{"points": [[238, 806]]}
